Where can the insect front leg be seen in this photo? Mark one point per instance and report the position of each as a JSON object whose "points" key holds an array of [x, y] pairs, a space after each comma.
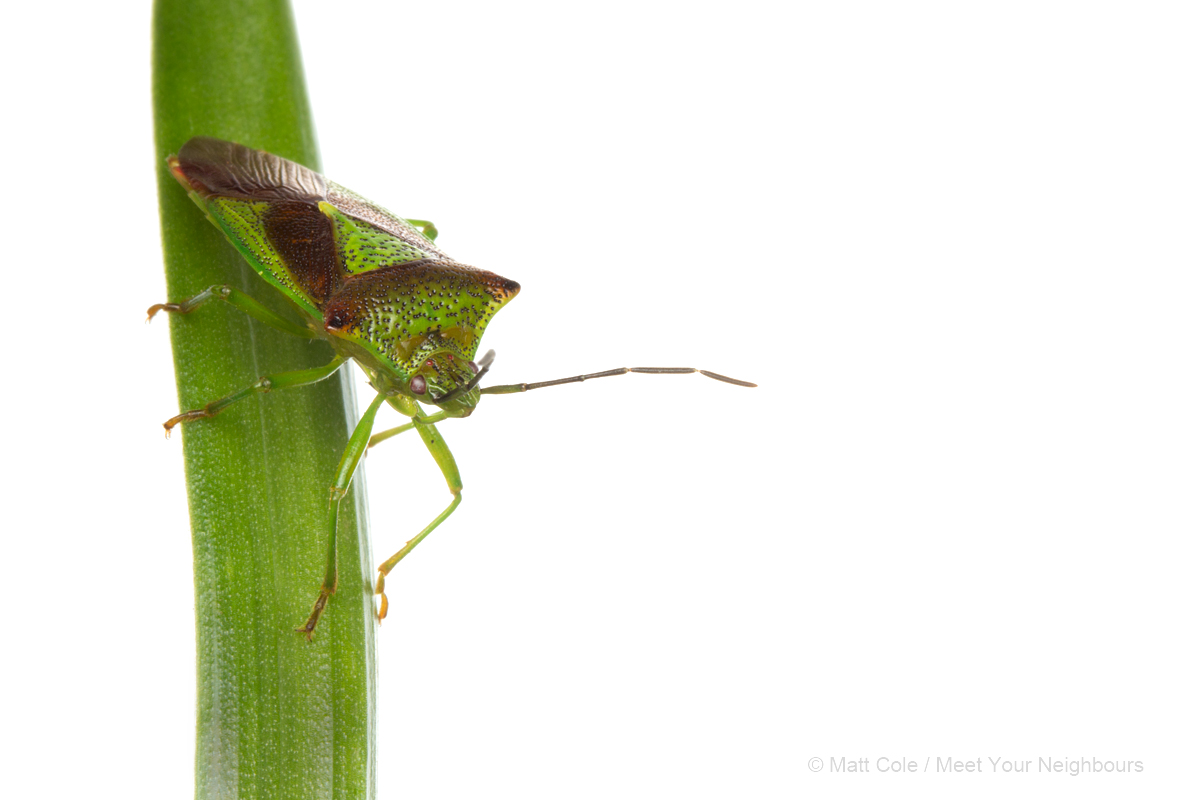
{"points": [[239, 300], [383, 436], [341, 485], [267, 383], [445, 461]]}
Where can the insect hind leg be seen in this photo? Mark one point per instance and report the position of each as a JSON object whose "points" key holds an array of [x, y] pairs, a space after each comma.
{"points": [[445, 460]]}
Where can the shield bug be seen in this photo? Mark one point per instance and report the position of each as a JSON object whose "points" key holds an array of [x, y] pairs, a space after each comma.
{"points": [[372, 285]]}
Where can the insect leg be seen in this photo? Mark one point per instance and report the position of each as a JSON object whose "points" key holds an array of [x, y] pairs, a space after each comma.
{"points": [[383, 436], [445, 461], [268, 383], [239, 300], [341, 485], [428, 229]]}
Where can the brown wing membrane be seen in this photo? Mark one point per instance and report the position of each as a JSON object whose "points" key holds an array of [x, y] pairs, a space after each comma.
{"points": [[214, 166]]}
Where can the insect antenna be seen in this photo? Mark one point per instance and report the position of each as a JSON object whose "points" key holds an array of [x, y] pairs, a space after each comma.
{"points": [[525, 387]]}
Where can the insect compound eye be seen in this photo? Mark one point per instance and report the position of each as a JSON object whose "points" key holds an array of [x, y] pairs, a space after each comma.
{"points": [[474, 367], [417, 384]]}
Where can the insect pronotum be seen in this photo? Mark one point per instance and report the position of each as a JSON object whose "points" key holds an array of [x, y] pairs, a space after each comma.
{"points": [[372, 285]]}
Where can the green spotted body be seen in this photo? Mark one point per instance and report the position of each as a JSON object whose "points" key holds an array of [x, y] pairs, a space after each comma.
{"points": [[363, 247], [367, 281], [406, 314]]}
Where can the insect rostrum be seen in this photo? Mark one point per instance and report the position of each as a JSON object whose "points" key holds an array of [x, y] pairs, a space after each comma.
{"points": [[371, 284]]}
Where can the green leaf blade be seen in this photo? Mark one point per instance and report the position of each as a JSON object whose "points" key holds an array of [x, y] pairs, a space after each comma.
{"points": [[277, 716]]}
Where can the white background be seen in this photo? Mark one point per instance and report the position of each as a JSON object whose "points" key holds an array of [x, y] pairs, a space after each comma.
{"points": [[954, 243]]}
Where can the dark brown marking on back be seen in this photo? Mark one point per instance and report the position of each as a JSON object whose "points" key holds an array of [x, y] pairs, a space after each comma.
{"points": [[303, 236]]}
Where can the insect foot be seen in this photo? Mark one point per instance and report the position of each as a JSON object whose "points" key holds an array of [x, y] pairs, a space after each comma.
{"points": [[199, 413], [318, 607], [157, 307], [383, 601]]}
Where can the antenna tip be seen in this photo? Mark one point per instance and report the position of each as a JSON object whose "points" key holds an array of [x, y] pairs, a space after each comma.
{"points": [[727, 379]]}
